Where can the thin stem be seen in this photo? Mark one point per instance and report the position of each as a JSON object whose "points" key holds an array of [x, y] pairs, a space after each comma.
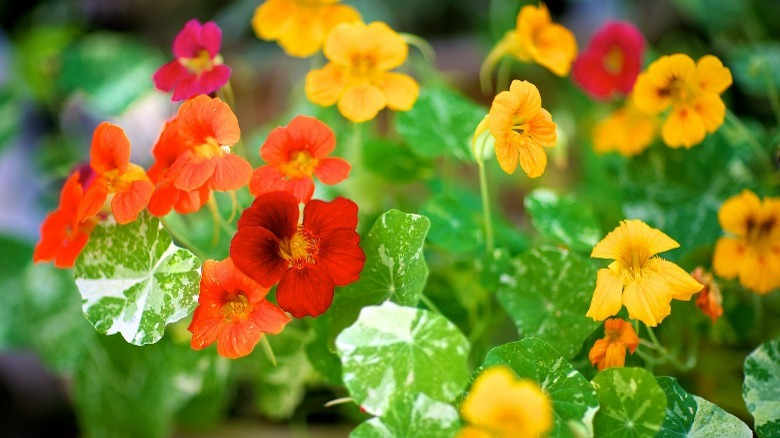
{"points": [[665, 355], [215, 218], [771, 90], [234, 206], [183, 241], [486, 216], [759, 151], [429, 304], [339, 401], [269, 352], [422, 45]]}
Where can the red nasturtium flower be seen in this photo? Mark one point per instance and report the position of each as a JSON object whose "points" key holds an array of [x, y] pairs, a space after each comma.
{"points": [[611, 62], [308, 258], [198, 67], [194, 157], [232, 310], [295, 153]]}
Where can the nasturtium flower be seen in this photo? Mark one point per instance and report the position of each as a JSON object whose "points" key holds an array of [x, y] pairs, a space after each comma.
{"points": [[198, 67], [645, 284], [126, 185], [710, 299], [751, 250], [691, 89], [233, 311], [611, 62], [295, 153], [358, 76], [194, 156], [308, 258], [610, 351], [627, 131], [63, 233], [501, 405], [300, 26], [522, 129]]}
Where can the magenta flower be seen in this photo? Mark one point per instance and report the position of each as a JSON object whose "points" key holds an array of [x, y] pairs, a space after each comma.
{"points": [[611, 62], [198, 67]]}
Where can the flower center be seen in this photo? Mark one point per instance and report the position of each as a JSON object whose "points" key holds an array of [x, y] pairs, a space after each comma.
{"points": [[362, 67], [299, 249], [210, 149], [121, 183], [679, 91], [199, 64], [237, 308], [613, 62], [300, 164], [758, 232]]}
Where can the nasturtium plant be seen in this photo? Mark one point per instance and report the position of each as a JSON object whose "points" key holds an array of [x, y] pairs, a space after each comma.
{"points": [[392, 351], [134, 280], [632, 404], [563, 219], [412, 415], [761, 390], [546, 306]]}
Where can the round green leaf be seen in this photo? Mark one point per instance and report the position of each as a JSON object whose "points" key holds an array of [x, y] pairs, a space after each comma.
{"points": [[456, 221], [392, 351], [692, 416], [133, 280], [563, 219], [547, 292], [574, 400], [412, 415], [761, 389], [632, 403]]}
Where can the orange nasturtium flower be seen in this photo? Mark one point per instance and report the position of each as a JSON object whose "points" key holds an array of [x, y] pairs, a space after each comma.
{"points": [[752, 248], [358, 76], [300, 26], [194, 156], [709, 299], [501, 405], [645, 284], [627, 131], [691, 89], [232, 310], [610, 351]]}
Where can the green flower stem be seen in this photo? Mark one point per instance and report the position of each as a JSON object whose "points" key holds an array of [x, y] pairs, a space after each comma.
{"points": [[774, 99], [422, 45], [339, 401], [486, 216], [429, 304], [664, 355], [757, 148], [269, 352], [183, 241]]}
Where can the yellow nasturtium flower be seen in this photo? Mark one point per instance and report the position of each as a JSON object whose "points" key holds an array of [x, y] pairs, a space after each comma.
{"points": [[358, 76], [627, 131], [693, 92], [501, 405], [752, 249], [300, 26], [645, 284]]}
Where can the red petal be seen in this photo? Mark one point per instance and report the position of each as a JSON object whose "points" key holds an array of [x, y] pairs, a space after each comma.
{"points": [[235, 282], [311, 134], [162, 200], [238, 339], [93, 200], [305, 292], [70, 251], [192, 172], [341, 257], [72, 193], [186, 88], [275, 211], [188, 42], [167, 76], [277, 147], [266, 179], [206, 326], [211, 37], [53, 233], [255, 251], [127, 205], [110, 149], [231, 173], [268, 317], [321, 218], [332, 170]]}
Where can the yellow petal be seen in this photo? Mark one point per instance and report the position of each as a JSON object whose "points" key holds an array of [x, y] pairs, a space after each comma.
{"points": [[770, 212], [362, 102], [646, 96], [683, 127], [653, 90], [388, 48], [533, 159], [681, 284], [728, 257], [542, 130], [400, 90], [507, 154], [349, 42], [633, 240], [739, 210], [759, 268], [607, 298], [325, 86], [486, 393], [711, 109], [344, 43], [556, 49], [521, 103], [648, 300], [474, 432], [272, 18], [713, 76]]}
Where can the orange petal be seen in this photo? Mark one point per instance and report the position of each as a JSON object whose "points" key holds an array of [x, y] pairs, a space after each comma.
{"points": [[127, 205], [542, 130], [361, 103], [269, 318], [192, 171], [231, 172], [633, 239], [332, 170], [533, 159], [110, 149], [266, 179], [94, 198], [203, 117], [507, 154]]}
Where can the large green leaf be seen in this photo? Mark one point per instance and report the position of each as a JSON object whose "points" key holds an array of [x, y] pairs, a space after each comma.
{"points": [[574, 400], [442, 122], [456, 222], [547, 292], [392, 351], [753, 67], [413, 415], [395, 162], [134, 280], [563, 219], [761, 390], [692, 416], [632, 403]]}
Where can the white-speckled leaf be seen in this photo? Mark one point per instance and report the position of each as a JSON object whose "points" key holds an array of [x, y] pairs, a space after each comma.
{"points": [[392, 351], [761, 389], [547, 292], [412, 416], [694, 417], [574, 400], [133, 280], [632, 403], [563, 219]]}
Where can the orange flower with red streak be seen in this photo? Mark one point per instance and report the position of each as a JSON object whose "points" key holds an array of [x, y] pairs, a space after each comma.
{"points": [[610, 351], [232, 311], [709, 299], [295, 153]]}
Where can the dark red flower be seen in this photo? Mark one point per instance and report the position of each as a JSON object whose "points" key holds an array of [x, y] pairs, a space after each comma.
{"points": [[307, 258], [198, 67], [611, 62]]}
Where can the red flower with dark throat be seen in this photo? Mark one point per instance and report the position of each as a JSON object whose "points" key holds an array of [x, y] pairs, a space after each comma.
{"points": [[308, 258], [611, 62]]}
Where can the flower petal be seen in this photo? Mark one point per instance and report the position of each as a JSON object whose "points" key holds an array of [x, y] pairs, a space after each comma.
{"points": [[325, 86], [301, 188], [341, 257], [127, 205], [681, 284], [556, 49], [206, 325], [275, 211], [711, 110], [648, 300], [94, 198], [110, 149], [308, 133], [255, 251], [268, 317], [214, 79], [188, 41], [542, 130], [683, 127], [231, 172], [211, 38], [238, 339], [728, 257], [713, 76], [266, 179], [192, 171], [533, 159], [272, 19], [400, 90], [607, 296], [321, 218], [204, 117], [738, 211], [332, 170], [167, 76], [633, 239], [305, 292], [361, 102]]}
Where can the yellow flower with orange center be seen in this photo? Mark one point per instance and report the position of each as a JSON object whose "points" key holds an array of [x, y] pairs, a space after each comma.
{"points": [[610, 351], [501, 405], [645, 284], [752, 248], [627, 131], [358, 76], [691, 89], [300, 26]]}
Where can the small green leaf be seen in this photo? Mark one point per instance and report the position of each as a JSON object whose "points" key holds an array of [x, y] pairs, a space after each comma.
{"points": [[563, 219], [692, 416], [632, 403], [392, 351], [456, 222], [395, 162], [753, 67], [574, 400], [135, 281], [442, 122], [761, 389], [414, 415], [547, 292]]}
